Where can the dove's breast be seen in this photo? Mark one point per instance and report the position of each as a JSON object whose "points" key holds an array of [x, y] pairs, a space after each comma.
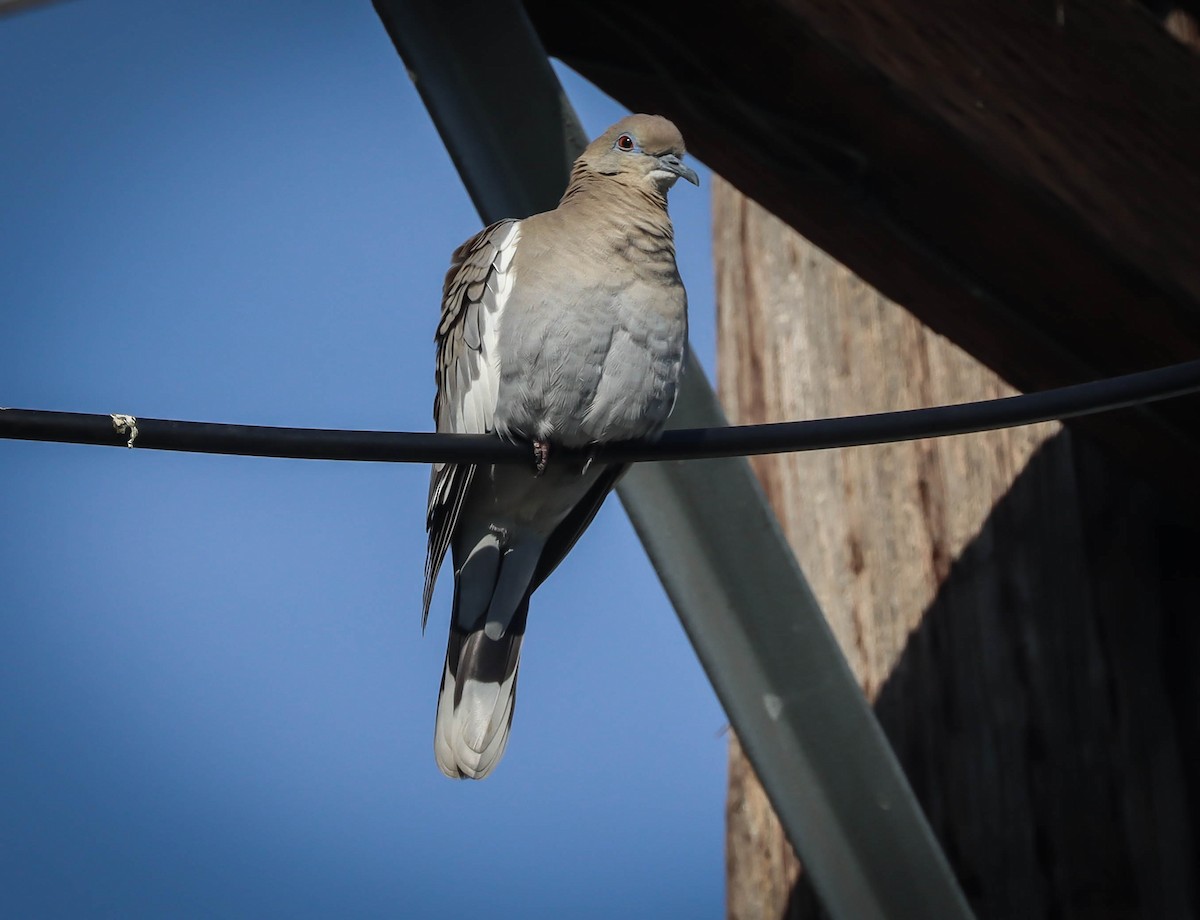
{"points": [[593, 339]]}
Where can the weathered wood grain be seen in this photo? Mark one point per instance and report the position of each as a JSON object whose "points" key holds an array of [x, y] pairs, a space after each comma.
{"points": [[1021, 610]]}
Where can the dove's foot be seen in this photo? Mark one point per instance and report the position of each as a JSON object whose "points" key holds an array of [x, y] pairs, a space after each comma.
{"points": [[541, 456]]}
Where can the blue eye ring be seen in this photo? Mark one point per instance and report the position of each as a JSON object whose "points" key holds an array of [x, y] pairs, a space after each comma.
{"points": [[626, 143]]}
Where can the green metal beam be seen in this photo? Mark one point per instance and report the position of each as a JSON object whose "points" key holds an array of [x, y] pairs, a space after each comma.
{"points": [[718, 549]]}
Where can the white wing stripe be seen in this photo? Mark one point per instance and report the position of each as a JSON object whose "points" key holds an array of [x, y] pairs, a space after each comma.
{"points": [[476, 292]]}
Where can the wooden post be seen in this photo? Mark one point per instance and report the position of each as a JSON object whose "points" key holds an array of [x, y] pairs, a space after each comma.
{"points": [[1021, 612]]}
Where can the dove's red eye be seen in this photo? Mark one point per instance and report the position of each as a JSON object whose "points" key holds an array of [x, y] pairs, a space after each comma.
{"points": [[625, 142]]}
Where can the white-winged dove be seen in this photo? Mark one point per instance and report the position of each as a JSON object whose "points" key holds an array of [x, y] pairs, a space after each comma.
{"points": [[566, 328]]}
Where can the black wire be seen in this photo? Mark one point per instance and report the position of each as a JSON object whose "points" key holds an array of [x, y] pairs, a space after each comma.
{"points": [[685, 444]]}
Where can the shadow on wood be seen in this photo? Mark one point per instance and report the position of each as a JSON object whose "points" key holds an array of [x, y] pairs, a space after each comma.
{"points": [[1046, 709]]}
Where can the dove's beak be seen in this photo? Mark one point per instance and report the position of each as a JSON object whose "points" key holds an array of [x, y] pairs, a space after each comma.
{"points": [[673, 164]]}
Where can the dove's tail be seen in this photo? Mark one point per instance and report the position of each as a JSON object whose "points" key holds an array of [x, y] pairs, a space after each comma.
{"points": [[479, 692]]}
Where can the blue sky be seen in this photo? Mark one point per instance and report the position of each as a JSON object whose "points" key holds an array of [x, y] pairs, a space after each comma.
{"points": [[215, 698]]}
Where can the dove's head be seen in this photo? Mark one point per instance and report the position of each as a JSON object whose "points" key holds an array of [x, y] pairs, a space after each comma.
{"points": [[644, 150]]}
